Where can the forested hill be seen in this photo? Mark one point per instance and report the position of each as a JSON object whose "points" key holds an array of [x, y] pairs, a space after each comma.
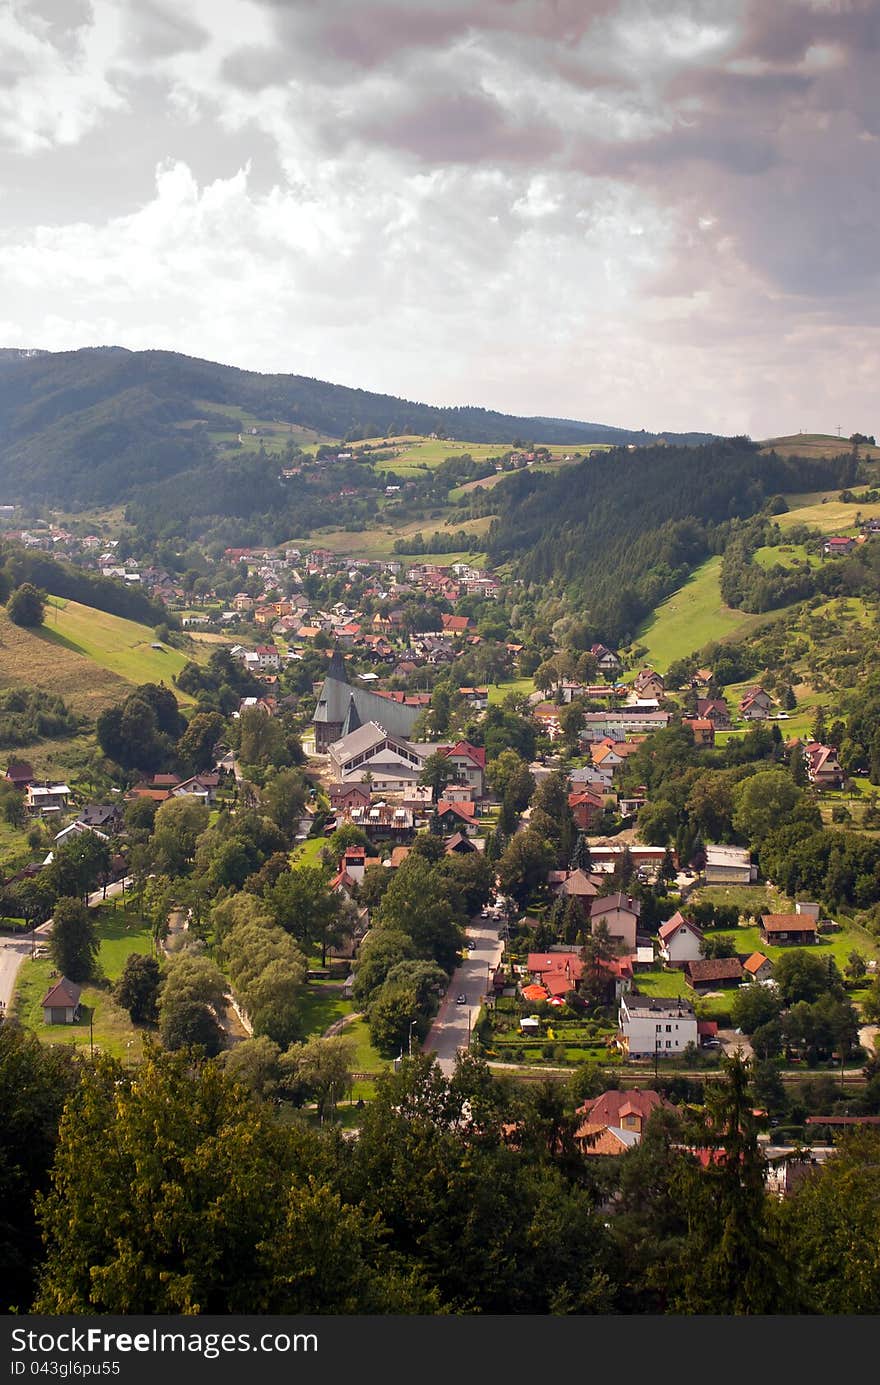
{"points": [[92, 426], [621, 531]]}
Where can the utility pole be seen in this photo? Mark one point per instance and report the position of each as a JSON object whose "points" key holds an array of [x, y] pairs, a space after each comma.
{"points": [[91, 1032]]}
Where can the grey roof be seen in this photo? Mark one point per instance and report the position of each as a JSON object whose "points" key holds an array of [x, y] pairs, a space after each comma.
{"points": [[359, 740], [337, 695], [626, 1137], [352, 720], [615, 901]]}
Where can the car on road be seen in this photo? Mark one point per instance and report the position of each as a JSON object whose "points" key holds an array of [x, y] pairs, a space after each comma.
{"points": [[461, 999]]}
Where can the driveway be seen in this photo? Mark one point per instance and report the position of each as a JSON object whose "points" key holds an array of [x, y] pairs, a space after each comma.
{"points": [[452, 1027]]}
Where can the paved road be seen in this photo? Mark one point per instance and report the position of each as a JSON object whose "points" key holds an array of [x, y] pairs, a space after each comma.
{"points": [[451, 1029]]}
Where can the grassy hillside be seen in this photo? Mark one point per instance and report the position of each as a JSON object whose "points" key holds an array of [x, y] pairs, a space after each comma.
{"points": [[823, 510], [379, 540], [41, 658], [121, 646], [93, 427], [88, 656], [691, 617], [816, 445]]}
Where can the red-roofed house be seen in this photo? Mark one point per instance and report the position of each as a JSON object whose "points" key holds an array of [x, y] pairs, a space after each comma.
{"points": [[711, 972], [755, 704], [586, 809], [615, 1121], [788, 928], [759, 967], [456, 625], [679, 941], [61, 1003], [823, 767], [468, 763]]}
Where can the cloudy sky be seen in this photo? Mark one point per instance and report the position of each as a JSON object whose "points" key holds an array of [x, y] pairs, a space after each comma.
{"points": [[652, 213]]}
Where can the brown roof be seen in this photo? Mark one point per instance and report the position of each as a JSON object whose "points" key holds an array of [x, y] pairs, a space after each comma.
{"points": [[62, 995], [787, 923], [714, 969], [607, 1108]]}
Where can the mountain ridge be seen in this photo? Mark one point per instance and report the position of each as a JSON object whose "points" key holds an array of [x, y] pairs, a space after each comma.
{"points": [[94, 424]]}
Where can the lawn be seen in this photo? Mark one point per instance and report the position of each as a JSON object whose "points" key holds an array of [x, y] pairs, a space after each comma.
{"points": [[121, 933], [308, 853], [321, 1007], [14, 850], [786, 555], [366, 1057], [123, 647], [523, 687], [692, 617]]}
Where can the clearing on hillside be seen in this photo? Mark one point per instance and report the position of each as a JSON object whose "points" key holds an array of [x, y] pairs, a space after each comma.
{"points": [[692, 617]]}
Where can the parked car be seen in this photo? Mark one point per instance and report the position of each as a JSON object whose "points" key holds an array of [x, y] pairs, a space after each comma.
{"points": [[461, 999]]}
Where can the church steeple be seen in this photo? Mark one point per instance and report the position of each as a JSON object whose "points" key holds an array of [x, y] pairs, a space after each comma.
{"points": [[336, 667]]}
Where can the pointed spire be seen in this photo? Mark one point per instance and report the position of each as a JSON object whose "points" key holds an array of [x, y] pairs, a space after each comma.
{"points": [[352, 720], [336, 667]]}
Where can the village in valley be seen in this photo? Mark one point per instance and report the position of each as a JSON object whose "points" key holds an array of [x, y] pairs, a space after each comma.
{"points": [[343, 820]]}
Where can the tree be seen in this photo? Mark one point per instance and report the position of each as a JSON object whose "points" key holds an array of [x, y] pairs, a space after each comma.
{"points": [[137, 989], [381, 950], [27, 606], [732, 1264], [284, 799], [799, 975], [229, 1213], [525, 865], [179, 822], [765, 800], [756, 1006], [12, 805], [510, 778], [419, 903], [74, 940], [79, 865], [188, 1023], [254, 1064], [36, 1080], [192, 994], [436, 774], [319, 1069], [196, 746], [306, 907], [831, 1230]]}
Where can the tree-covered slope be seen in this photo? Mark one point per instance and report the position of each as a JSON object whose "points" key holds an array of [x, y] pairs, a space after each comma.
{"points": [[93, 426], [622, 530]]}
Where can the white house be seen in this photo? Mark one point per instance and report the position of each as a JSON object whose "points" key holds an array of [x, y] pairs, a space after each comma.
{"points": [[648, 1026], [679, 941]]}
